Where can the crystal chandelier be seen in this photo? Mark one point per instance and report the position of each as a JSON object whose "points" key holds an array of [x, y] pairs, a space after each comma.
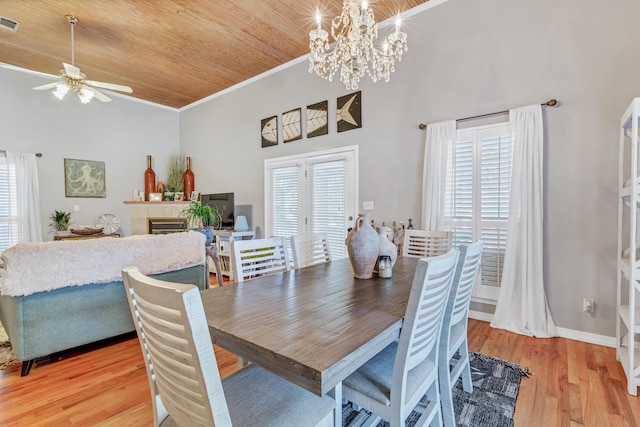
{"points": [[354, 33]]}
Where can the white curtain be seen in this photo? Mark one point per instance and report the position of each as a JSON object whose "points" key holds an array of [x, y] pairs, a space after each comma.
{"points": [[522, 305], [439, 137], [26, 200]]}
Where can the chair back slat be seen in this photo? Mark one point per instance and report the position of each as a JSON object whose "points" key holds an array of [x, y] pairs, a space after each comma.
{"points": [[423, 243], [463, 281], [259, 257], [176, 345], [310, 249]]}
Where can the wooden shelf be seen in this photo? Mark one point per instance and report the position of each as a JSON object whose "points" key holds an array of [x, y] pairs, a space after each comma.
{"points": [[164, 202]]}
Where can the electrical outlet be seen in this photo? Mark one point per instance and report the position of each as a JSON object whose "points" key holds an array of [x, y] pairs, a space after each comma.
{"points": [[588, 305], [76, 208]]}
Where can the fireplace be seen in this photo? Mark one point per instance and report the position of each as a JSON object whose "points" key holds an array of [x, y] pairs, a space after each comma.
{"points": [[165, 225]]}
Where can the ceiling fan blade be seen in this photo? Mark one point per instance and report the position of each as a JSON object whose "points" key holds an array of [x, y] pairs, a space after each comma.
{"points": [[99, 95], [47, 86], [110, 86], [72, 71]]}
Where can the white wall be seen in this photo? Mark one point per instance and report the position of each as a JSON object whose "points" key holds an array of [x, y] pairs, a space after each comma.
{"points": [[466, 58], [120, 133]]}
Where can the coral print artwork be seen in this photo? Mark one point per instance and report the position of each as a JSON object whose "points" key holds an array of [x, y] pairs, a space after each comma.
{"points": [[84, 178]]}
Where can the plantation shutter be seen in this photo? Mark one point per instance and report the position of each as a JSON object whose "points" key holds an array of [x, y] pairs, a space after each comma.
{"points": [[477, 198], [329, 197], [459, 192], [9, 223], [496, 173], [284, 192]]}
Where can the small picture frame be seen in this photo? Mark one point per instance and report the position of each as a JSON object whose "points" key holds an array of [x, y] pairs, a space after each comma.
{"points": [[291, 129], [269, 131], [155, 197], [349, 111], [178, 196], [195, 195]]}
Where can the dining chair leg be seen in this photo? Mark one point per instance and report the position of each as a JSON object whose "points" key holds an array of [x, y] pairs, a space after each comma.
{"points": [[336, 393], [466, 370]]}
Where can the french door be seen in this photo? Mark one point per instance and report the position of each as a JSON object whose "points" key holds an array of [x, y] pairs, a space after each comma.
{"points": [[311, 193]]}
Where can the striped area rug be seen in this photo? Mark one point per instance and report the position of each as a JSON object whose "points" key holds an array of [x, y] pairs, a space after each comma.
{"points": [[492, 404]]}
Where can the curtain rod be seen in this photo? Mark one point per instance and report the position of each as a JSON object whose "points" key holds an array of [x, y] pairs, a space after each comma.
{"points": [[37, 154], [549, 103]]}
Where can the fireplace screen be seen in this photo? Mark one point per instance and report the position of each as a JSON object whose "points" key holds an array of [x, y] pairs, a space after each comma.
{"points": [[166, 225]]}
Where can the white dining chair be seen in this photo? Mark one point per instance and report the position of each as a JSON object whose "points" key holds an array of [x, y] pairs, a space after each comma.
{"points": [[183, 375], [258, 257], [394, 381], [310, 249], [453, 338], [425, 243]]}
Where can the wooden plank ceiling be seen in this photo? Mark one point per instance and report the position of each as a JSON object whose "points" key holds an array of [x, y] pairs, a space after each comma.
{"points": [[170, 52]]}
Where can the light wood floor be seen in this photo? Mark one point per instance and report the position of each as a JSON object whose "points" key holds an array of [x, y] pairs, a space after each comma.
{"points": [[573, 384]]}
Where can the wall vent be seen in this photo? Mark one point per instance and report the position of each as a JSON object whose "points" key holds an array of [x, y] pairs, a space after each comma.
{"points": [[9, 24]]}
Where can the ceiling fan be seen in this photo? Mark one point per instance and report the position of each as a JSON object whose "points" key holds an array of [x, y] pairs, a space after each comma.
{"points": [[77, 81]]}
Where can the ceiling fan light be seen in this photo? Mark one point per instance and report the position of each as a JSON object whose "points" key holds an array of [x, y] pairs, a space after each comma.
{"points": [[85, 95], [61, 90]]}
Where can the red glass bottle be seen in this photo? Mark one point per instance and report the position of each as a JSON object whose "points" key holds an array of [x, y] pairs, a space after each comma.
{"points": [[189, 180], [149, 180]]}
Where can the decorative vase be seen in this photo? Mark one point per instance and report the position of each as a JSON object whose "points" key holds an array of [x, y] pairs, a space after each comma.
{"points": [[189, 180], [386, 248], [208, 233], [149, 180], [241, 223], [363, 245]]}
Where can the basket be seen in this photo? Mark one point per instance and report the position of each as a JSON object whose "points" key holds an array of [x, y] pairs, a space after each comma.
{"points": [[86, 231]]}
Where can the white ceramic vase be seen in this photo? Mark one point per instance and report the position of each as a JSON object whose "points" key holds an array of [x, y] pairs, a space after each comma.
{"points": [[387, 247], [363, 246]]}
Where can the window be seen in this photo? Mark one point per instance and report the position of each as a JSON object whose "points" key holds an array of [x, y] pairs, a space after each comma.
{"points": [[477, 198], [312, 193], [9, 221]]}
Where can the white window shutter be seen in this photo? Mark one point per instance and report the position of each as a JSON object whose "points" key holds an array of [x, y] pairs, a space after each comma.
{"points": [[9, 221], [284, 192], [477, 198], [328, 202]]}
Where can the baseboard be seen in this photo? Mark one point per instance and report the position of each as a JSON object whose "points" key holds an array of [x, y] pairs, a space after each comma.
{"points": [[588, 337], [571, 334], [480, 315]]}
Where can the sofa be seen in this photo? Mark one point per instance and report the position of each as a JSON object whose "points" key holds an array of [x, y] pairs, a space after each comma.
{"points": [[58, 295]]}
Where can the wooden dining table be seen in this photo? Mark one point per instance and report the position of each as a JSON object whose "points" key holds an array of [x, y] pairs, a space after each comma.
{"points": [[313, 326]]}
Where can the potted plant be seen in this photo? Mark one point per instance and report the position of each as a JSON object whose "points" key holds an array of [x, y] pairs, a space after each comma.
{"points": [[204, 218], [61, 221], [175, 183]]}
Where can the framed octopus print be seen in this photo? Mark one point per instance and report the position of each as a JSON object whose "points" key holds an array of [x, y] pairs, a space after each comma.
{"points": [[84, 178]]}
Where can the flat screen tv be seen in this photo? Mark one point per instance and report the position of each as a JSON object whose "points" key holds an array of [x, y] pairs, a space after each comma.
{"points": [[225, 204]]}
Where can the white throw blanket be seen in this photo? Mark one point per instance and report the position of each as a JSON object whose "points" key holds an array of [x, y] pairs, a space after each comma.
{"points": [[38, 267]]}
